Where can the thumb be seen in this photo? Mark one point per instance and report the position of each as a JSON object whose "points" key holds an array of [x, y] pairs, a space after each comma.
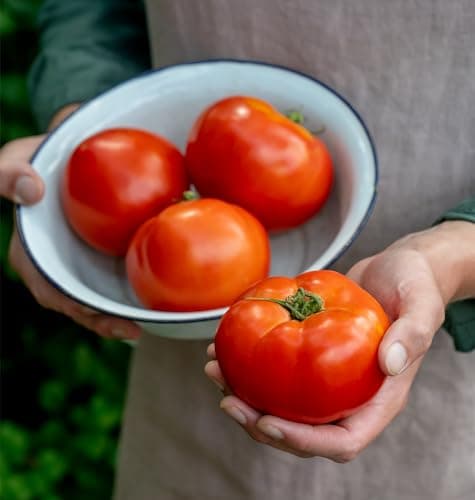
{"points": [[410, 336], [18, 180], [20, 183]]}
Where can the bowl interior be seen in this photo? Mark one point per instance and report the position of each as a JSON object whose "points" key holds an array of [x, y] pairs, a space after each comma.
{"points": [[167, 102]]}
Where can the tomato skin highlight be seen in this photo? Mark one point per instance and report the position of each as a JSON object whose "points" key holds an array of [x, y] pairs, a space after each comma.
{"points": [[117, 179], [197, 255], [313, 371], [244, 151]]}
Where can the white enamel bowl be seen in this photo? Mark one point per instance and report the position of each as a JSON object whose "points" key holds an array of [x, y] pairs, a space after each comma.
{"points": [[167, 101]]}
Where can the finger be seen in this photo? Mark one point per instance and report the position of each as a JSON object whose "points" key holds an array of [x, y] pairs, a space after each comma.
{"points": [[104, 325], [245, 416], [343, 441], [211, 351], [248, 419], [109, 327], [327, 441], [51, 298], [213, 372], [410, 336], [357, 271], [18, 181]]}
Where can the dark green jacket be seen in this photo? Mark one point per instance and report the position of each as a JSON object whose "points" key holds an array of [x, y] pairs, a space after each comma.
{"points": [[94, 45]]}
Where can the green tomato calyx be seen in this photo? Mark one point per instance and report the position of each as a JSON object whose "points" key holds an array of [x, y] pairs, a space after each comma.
{"points": [[189, 195], [300, 305]]}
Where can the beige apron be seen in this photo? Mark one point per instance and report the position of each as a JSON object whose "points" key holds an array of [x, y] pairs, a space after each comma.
{"points": [[408, 66]]}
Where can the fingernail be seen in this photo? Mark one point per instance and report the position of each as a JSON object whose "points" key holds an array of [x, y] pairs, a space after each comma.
{"points": [[26, 190], [396, 358], [235, 413], [218, 383], [272, 432]]}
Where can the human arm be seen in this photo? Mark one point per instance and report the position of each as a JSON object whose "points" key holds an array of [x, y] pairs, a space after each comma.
{"points": [[15, 167], [84, 49], [460, 315], [414, 279]]}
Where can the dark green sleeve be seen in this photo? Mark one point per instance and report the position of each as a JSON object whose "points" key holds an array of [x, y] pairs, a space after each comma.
{"points": [[86, 46], [460, 316]]}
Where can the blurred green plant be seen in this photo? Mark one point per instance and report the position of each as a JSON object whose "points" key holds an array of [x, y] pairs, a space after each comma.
{"points": [[62, 387], [19, 45], [61, 444]]}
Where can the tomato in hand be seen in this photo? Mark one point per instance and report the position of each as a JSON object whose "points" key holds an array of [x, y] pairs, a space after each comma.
{"points": [[305, 348], [117, 179], [244, 151], [197, 254]]}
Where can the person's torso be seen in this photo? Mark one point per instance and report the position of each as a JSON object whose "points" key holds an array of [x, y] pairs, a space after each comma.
{"points": [[408, 67]]}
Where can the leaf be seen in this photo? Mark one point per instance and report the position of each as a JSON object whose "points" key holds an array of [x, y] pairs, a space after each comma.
{"points": [[51, 433], [13, 91], [14, 442], [16, 487], [23, 10], [92, 446], [87, 478], [51, 464], [84, 363], [53, 395], [6, 228], [106, 415], [7, 23]]}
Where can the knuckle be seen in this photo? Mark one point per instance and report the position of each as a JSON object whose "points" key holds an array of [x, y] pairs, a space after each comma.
{"points": [[421, 338], [305, 448], [348, 454], [404, 286], [87, 324], [40, 296], [258, 437]]}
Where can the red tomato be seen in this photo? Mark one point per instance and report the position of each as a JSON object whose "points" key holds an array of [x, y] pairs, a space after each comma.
{"points": [[117, 179], [304, 348], [196, 255], [244, 151]]}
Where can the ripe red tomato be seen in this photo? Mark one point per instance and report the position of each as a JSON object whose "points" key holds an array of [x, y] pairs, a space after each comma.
{"points": [[244, 151], [117, 179], [196, 255], [304, 348]]}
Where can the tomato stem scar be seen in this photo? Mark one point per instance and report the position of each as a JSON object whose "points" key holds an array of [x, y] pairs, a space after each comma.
{"points": [[300, 305], [189, 195], [298, 118]]}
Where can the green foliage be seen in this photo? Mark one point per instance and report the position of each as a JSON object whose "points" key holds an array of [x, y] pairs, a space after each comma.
{"points": [[62, 387], [19, 44], [64, 443]]}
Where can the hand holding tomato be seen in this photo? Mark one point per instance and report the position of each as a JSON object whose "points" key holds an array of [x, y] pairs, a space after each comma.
{"points": [[244, 151], [304, 349], [413, 279]]}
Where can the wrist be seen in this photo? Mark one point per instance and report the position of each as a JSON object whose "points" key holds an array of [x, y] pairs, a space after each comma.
{"points": [[61, 115], [449, 248]]}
